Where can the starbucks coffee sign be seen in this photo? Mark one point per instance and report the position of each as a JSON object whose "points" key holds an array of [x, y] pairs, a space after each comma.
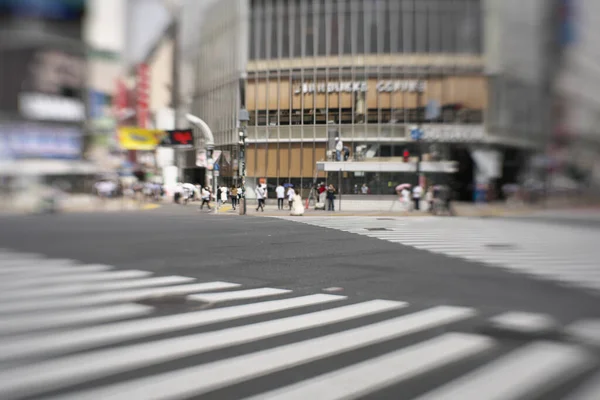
{"points": [[360, 86]]}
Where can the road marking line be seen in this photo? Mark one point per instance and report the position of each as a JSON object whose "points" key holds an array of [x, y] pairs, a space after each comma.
{"points": [[237, 295], [185, 383], [35, 266], [589, 391], [87, 273], [102, 298], [93, 287], [524, 322], [35, 322], [371, 375], [150, 207], [87, 338], [537, 367], [66, 371]]}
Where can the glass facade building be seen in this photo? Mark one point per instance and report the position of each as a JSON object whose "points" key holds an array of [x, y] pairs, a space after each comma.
{"points": [[366, 71]]}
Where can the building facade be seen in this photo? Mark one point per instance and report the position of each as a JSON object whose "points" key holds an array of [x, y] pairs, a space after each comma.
{"points": [[365, 71]]}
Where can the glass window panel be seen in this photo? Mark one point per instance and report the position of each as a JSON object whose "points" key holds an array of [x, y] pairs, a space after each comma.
{"points": [[274, 21], [253, 32], [371, 14], [386, 17], [310, 28], [408, 35], [420, 9], [334, 35], [359, 23], [297, 21], [323, 16], [433, 26], [262, 46], [347, 37], [286, 28], [396, 26], [448, 26]]}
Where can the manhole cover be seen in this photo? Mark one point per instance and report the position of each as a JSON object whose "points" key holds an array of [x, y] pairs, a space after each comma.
{"points": [[378, 229], [501, 246]]}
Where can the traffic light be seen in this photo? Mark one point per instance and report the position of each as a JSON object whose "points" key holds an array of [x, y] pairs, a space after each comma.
{"points": [[405, 155]]}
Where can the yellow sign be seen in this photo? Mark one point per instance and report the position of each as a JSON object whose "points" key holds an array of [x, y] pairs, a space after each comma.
{"points": [[132, 138]]}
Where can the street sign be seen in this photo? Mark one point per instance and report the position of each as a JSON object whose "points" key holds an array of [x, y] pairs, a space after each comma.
{"points": [[216, 167], [416, 134]]}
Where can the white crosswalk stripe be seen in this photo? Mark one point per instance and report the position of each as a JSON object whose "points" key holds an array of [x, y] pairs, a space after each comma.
{"points": [[62, 351], [567, 255]]}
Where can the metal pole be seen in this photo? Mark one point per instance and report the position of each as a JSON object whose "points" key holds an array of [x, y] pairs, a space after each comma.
{"points": [[340, 189], [420, 128]]}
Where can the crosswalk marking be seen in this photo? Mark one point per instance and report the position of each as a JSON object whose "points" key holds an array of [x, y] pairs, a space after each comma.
{"points": [[524, 322], [103, 298], [76, 336], [86, 338], [589, 391], [185, 383], [541, 365], [374, 374], [43, 376], [92, 287], [85, 274], [533, 248], [237, 295], [26, 269], [585, 331], [38, 321]]}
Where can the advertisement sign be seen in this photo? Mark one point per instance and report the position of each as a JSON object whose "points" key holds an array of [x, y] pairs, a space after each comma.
{"points": [[132, 138], [143, 94], [26, 140], [182, 138]]}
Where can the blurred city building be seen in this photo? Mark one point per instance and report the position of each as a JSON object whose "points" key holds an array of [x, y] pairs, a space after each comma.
{"points": [[368, 72], [43, 95]]}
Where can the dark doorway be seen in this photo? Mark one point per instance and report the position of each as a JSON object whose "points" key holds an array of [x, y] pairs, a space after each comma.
{"points": [[195, 176], [463, 179]]}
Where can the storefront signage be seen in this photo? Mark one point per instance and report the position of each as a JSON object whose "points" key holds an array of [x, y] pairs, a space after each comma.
{"points": [[132, 138], [28, 141], [451, 133], [180, 138], [361, 86]]}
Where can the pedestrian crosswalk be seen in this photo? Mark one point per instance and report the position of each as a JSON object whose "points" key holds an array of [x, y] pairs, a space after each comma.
{"points": [[56, 343], [565, 254]]}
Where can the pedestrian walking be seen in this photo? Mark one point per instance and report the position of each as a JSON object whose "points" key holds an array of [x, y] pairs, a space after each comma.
{"points": [[205, 198], [330, 198], [417, 194], [291, 193], [224, 195], [280, 191], [260, 196], [234, 196]]}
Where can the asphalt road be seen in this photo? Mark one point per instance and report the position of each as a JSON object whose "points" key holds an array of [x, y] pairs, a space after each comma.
{"points": [[258, 252]]}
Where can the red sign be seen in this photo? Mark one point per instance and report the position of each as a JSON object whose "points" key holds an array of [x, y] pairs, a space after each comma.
{"points": [[143, 95], [181, 138]]}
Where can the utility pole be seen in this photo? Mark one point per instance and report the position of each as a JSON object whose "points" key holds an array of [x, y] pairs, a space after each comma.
{"points": [[243, 117]]}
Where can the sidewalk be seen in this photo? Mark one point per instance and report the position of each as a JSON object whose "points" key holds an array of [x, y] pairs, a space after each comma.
{"points": [[71, 204], [382, 206]]}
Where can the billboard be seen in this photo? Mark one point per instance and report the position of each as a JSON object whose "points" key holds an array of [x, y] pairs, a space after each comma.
{"points": [[36, 141], [133, 138]]}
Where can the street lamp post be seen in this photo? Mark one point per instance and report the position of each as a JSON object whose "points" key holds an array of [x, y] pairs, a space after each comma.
{"points": [[244, 117]]}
